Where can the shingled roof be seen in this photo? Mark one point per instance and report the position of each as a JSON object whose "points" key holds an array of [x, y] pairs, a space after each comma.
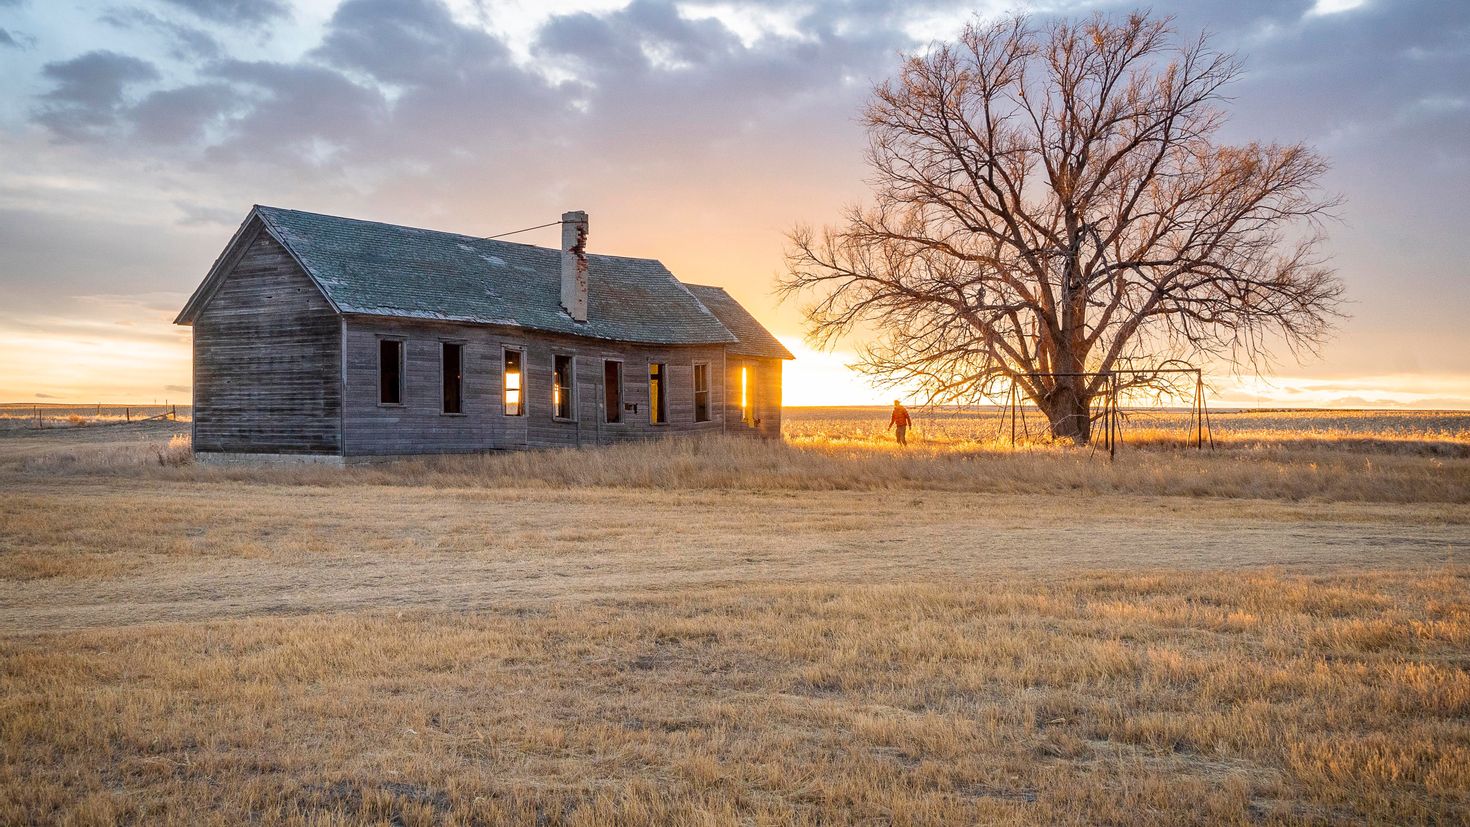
{"points": [[375, 269], [755, 340]]}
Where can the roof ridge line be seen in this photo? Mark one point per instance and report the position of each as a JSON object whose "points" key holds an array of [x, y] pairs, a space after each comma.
{"points": [[465, 236], [396, 226]]}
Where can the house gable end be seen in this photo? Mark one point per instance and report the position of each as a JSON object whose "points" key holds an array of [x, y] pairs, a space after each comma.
{"points": [[240, 244], [267, 367]]}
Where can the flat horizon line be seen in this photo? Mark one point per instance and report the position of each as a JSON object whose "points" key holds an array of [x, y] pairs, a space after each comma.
{"points": [[991, 406]]}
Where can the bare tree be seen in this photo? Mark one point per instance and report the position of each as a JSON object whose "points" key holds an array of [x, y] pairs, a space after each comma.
{"points": [[1052, 200]]}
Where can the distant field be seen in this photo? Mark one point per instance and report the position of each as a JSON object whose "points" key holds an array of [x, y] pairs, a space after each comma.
{"points": [[991, 426], [828, 631], [960, 426]]}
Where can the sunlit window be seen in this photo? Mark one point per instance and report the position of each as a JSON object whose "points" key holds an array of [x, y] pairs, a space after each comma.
{"points": [[562, 379], [747, 413], [513, 388]]}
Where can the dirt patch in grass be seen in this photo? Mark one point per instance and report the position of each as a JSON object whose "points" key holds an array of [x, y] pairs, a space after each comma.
{"points": [[82, 553]]}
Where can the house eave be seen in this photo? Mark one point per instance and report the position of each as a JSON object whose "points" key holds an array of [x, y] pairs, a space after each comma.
{"points": [[513, 324]]}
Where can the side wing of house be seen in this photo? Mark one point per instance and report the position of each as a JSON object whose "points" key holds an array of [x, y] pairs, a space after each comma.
{"points": [[752, 366], [267, 354], [753, 395]]}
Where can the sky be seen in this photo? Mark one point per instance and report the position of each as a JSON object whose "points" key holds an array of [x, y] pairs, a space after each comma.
{"points": [[136, 134]]}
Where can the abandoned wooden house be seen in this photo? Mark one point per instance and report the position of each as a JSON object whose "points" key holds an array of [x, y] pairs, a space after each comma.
{"points": [[327, 338]]}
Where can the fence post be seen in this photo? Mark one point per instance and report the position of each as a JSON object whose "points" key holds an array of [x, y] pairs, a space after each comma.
{"points": [[1112, 417], [128, 412], [1199, 395], [1014, 403]]}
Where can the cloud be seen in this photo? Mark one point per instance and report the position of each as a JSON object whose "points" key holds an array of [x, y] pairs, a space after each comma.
{"points": [[182, 115], [295, 114], [398, 84], [403, 84], [203, 215], [1322, 7], [660, 80], [245, 12], [185, 42], [592, 40], [456, 88], [89, 92], [9, 40], [411, 43], [1349, 80]]}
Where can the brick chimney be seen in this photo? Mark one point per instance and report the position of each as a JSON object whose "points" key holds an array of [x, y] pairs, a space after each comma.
{"points": [[574, 264]]}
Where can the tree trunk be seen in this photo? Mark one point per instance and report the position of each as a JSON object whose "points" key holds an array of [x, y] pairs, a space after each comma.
{"points": [[1068, 411]]}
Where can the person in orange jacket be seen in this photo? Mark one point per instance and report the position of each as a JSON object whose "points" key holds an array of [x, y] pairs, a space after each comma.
{"points": [[901, 421]]}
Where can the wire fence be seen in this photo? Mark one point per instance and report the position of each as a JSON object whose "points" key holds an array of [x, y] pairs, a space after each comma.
{"points": [[40, 417]]}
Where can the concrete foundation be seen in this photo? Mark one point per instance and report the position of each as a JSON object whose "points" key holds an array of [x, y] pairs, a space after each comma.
{"points": [[232, 459]]}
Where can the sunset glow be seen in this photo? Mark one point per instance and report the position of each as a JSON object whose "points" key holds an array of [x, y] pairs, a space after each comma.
{"points": [[131, 156]]}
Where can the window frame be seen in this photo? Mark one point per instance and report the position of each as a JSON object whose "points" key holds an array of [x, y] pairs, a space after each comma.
{"points": [[622, 392], [570, 387], [658, 411], [402, 342], [521, 402], [444, 345], [709, 408], [747, 394]]}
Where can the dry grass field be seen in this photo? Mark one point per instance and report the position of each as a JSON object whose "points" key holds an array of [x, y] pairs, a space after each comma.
{"points": [[829, 631]]}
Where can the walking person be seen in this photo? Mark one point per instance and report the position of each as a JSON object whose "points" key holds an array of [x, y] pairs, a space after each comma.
{"points": [[901, 421]]}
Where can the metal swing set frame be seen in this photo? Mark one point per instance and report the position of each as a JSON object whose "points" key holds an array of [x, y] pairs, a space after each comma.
{"points": [[1111, 414]]}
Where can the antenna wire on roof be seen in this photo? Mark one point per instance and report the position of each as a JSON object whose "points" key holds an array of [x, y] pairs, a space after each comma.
{"points": [[527, 230]]}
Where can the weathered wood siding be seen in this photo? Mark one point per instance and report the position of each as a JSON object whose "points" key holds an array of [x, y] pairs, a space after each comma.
{"points": [[267, 360], [418, 427], [763, 393]]}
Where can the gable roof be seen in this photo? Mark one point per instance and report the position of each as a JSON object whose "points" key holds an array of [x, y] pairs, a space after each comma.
{"points": [[375, 269], [754, 339]]}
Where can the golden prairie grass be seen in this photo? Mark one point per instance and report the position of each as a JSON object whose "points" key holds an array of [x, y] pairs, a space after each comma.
{"points": [[819, 455], [829, 631], [1138, 698]]}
